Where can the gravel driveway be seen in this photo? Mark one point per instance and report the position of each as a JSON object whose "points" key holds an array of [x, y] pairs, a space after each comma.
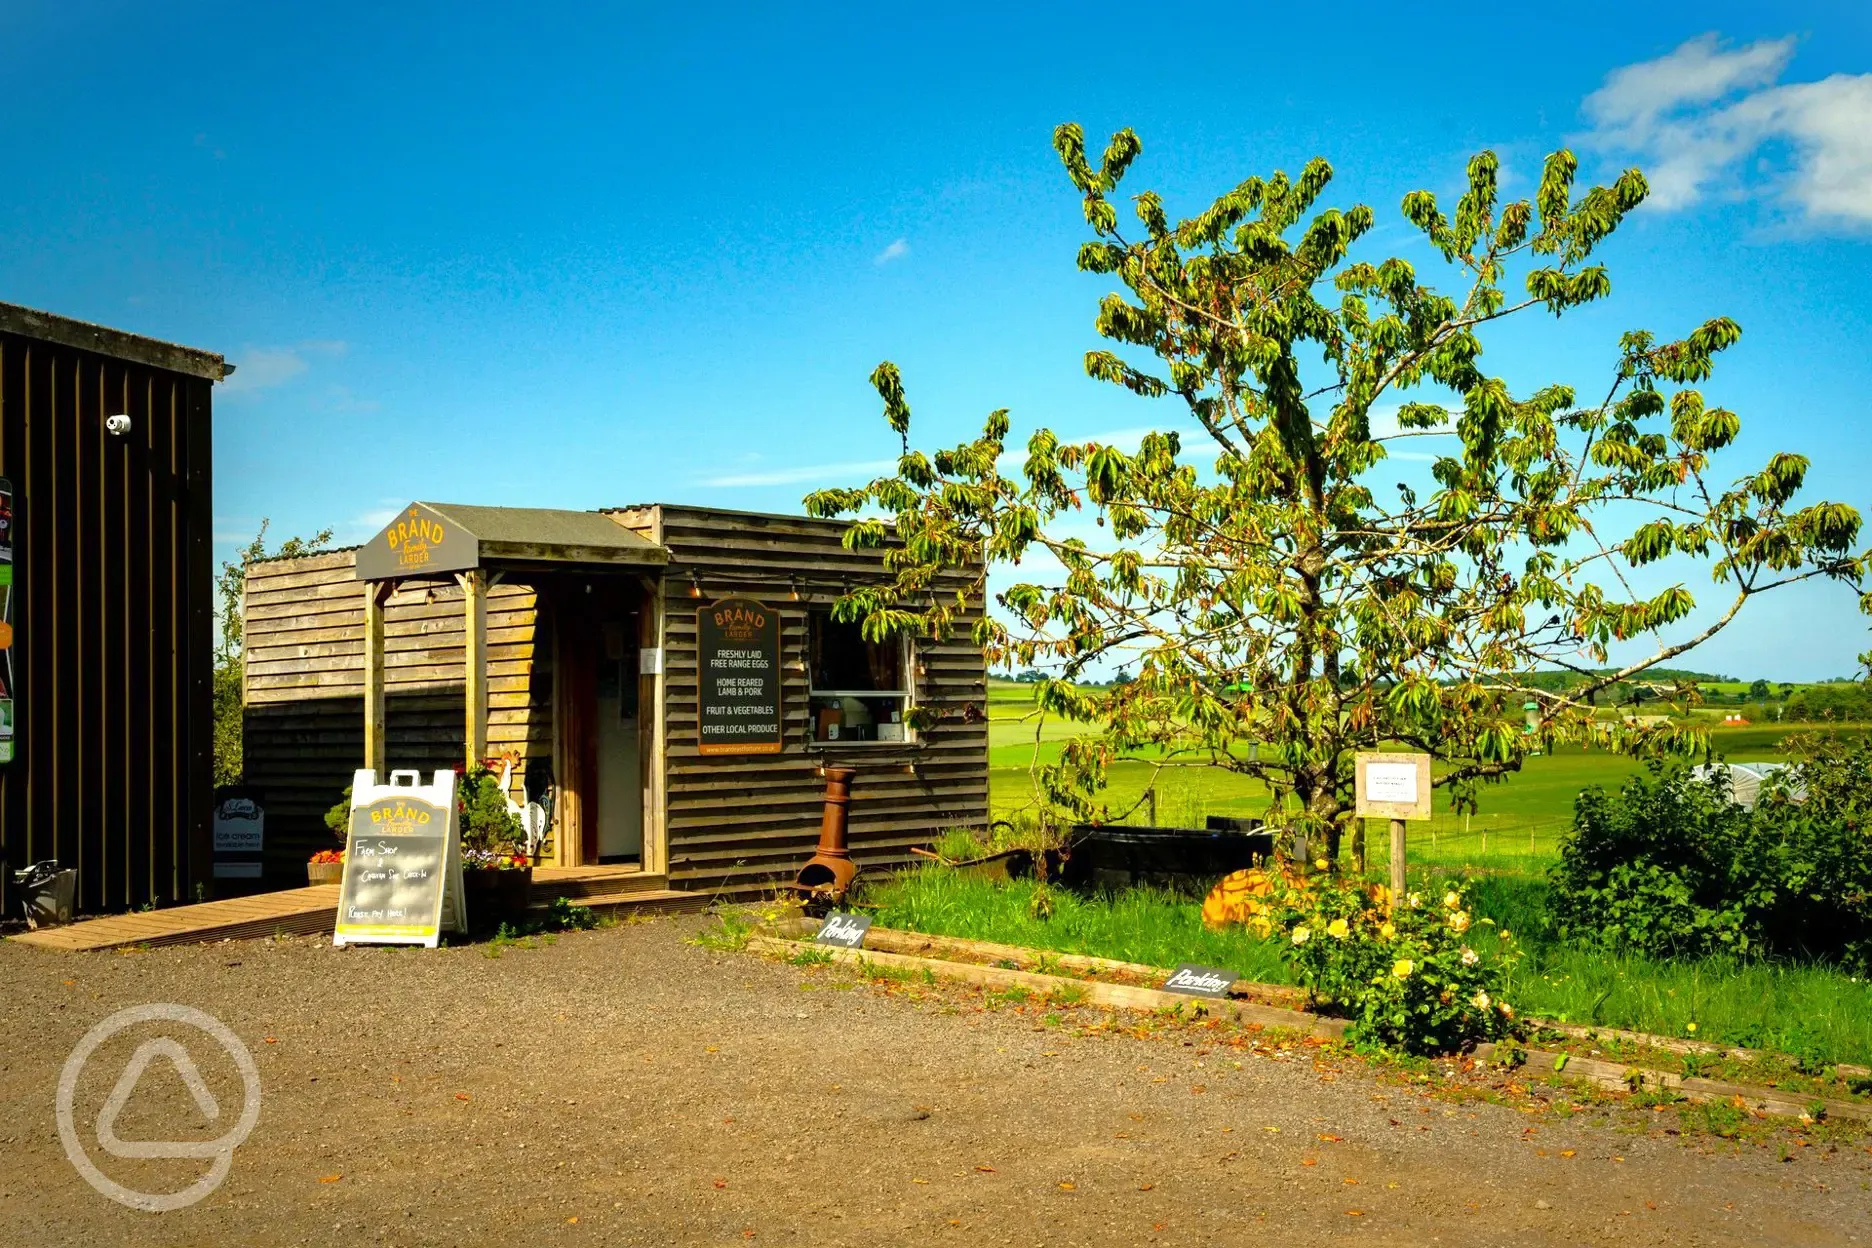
{"points": [[626, 1086]]}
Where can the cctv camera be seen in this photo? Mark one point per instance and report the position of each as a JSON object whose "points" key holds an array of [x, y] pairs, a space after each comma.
{"points": [[119, 425]]}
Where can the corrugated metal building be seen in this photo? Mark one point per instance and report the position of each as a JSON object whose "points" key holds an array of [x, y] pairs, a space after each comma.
{"points": [[109, 607], [585, 629]]}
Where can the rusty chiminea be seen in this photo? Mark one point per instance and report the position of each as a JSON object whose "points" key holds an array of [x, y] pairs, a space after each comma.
{"points": [[830, 871]]}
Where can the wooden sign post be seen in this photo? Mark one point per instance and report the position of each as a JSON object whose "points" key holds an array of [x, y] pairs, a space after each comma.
{"points": [[1394, 787], [403, 870]]}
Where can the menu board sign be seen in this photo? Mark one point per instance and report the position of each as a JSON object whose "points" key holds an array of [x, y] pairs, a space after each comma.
{"points": [[738, 685], [402, 870], [239, 833]]}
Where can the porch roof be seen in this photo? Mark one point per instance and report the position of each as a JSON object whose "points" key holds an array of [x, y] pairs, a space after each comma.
{"points": [[427, 539]]}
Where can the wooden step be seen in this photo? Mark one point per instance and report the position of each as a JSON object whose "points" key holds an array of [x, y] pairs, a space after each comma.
{"points": [[627, 902], [574, 883]]}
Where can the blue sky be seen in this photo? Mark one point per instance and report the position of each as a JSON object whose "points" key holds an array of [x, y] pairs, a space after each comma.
{"points": [[552, 256]]}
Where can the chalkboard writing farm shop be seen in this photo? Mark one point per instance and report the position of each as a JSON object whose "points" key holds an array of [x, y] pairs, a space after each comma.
{"points": [[670, 681]]}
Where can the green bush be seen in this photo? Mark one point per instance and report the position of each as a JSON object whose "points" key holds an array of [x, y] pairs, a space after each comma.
{"points": [[1651, 868], [1670, 867], [1411, 981], [486, 823], [1807, 858]]}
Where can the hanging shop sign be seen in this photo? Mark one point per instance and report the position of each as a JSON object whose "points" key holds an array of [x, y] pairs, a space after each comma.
{"points": [[8, 672], [417, 543], [738, 691], [403, 871]]}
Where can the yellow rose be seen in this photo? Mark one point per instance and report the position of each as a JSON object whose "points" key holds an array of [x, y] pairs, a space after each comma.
{"points": [[1451, 901], [1459, 922], [1321, 864], [1301, 934], [1388, 931], [1337, 929], [1403, 967]]}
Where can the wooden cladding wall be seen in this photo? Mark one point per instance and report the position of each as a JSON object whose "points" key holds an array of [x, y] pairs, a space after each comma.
{"points": [[733, 822], [738, 822], [304, 732], [113, 614]]}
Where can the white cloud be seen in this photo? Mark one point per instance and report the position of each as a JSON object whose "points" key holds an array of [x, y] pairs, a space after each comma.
{"points": [[262, 368], [1695, 116], [801, 474], [898, 249]]}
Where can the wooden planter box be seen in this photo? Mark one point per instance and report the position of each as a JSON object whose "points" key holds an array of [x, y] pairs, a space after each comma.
{"points": [[324, 872], [496, 895]]}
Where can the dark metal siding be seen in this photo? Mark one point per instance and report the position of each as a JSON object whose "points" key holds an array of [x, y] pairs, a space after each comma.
{"points": [[113, 609]]}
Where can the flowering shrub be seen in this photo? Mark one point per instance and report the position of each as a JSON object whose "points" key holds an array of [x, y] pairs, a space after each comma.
{"points": [[1413, 982], [494, 858], [328, 856]]}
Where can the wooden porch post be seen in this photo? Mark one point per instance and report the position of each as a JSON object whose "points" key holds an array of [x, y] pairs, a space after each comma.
{"points": [[474, 583], [375, 746]]}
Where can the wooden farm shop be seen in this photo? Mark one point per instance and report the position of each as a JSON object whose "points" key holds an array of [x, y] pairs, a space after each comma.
{"points": [[662, 689]]}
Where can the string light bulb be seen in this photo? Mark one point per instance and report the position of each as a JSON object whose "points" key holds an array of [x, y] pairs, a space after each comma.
{"points": [[695, 586]]}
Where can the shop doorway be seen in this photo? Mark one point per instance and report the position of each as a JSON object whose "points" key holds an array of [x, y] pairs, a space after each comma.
{"points": [[615, 706], [602, 729]]}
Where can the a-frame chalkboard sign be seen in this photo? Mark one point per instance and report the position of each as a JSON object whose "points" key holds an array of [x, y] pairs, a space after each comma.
{"points": [[403, 870]]}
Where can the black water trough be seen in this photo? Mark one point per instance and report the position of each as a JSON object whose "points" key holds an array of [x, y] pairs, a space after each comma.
{"points": [[1114, 856]]}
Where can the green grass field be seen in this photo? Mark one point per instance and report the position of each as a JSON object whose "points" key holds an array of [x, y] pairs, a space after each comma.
{"points": [[1518, 825]]}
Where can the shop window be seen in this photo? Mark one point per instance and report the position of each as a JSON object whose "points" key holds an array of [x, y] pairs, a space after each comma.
{"points": [[860, 689]]}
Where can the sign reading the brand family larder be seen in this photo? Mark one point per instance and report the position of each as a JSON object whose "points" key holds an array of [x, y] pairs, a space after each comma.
{"points": [[421, 540], [846, 930], [738, 671], [402, 870], [1200, 981]]}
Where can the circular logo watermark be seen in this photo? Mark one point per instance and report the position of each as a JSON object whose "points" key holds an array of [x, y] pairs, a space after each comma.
{"points": [[220, 1152]]}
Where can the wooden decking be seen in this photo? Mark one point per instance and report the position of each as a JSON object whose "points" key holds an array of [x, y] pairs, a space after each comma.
{"points": [[299, 911]]}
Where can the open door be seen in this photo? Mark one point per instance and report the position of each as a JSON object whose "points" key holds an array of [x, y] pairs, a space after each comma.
{"points": [[619, 779], [597, 755]]}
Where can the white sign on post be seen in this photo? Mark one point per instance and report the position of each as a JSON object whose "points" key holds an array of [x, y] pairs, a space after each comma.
{"points": [[1392, 786], [403, 870], [1391, 782]]}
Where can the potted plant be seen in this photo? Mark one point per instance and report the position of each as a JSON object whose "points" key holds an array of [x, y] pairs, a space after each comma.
{"points": [[497, 873], [326, 867]]}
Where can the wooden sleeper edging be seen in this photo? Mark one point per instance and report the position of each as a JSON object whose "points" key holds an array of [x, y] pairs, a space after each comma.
{"points": [[1087, 991]]}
